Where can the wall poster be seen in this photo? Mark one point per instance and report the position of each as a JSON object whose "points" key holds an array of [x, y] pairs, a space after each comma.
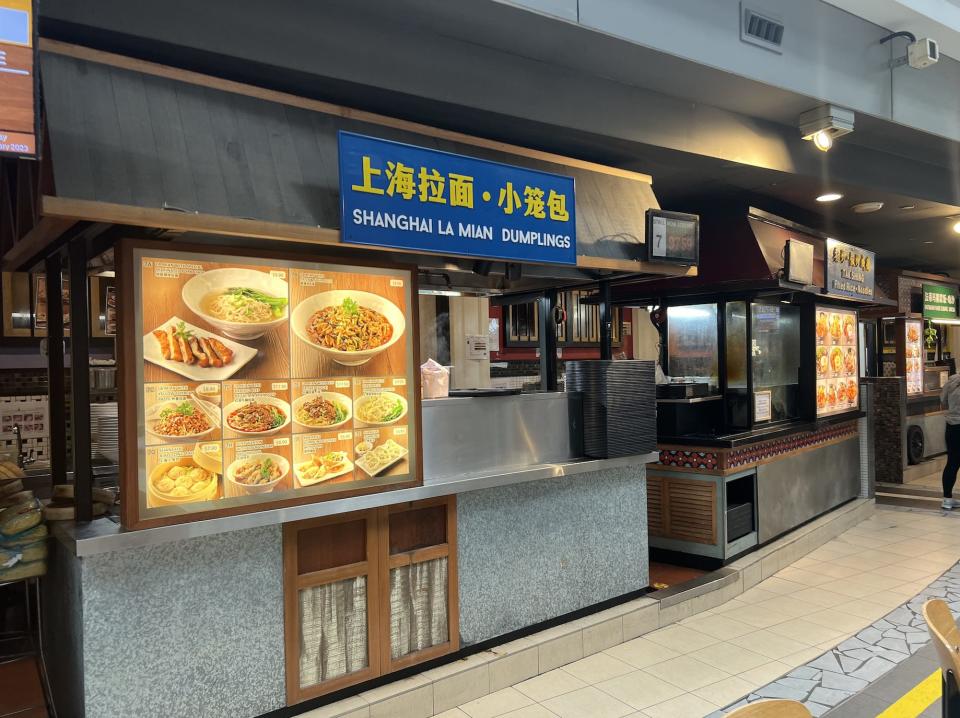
{"points": [[838, 380], [913, 355], [266, 381]]}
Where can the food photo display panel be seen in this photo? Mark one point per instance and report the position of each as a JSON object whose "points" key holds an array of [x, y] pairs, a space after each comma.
{"points": [[838, 376], [261, 382]]}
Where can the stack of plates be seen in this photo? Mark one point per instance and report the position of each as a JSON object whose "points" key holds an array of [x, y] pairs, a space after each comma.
{"points": [[619, 406], [104, 432]]}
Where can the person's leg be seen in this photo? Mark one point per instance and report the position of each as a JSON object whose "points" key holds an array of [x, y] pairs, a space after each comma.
{"points": [[953, 460]]}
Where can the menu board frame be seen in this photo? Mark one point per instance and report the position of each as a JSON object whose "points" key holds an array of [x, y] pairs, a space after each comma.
{"points": [[834, 351], [135, 512], [914, 355]]}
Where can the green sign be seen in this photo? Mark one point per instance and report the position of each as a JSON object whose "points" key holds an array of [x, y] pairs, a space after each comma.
{"points": [[939, 302]]}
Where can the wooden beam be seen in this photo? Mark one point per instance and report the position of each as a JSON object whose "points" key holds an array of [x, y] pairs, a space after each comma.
{"points": [[92, 211], [44, 233], [195, 78]]}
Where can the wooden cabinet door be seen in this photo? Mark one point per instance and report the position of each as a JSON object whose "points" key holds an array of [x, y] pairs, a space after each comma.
{"points": [[419, 604], [331, 603]]}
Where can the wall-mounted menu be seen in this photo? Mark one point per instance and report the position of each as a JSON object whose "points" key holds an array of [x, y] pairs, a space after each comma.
{"points": [[913, 353], [264, 382], [838, 379]]}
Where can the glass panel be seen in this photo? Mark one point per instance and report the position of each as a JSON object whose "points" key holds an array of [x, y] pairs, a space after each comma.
{"points": [[333, 630], [418, 607], [737, 401], [692, 343], [776, 357]]}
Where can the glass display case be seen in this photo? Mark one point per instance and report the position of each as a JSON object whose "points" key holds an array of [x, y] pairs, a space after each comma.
{"points": [[767, 360]]}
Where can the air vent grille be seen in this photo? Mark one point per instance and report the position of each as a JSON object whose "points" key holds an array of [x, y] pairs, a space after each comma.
{"points": [[761, 29]]}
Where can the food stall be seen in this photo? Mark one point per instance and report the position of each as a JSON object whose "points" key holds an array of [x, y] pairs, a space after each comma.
{"points": [[295, 518], [914, 344], [758, 415]]}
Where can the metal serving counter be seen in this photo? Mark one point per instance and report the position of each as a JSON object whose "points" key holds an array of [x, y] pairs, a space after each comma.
{"points": [[469, 444]]}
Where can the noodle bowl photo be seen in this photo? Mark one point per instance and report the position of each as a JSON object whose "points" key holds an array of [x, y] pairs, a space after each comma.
{"points": [[242, 303], [323, 410], [259, 416], [351, 327], [380, 409]]}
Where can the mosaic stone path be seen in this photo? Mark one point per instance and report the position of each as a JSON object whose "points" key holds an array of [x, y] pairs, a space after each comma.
{"points": [[832, 678]]}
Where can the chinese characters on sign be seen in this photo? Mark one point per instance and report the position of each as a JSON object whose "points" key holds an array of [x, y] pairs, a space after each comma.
{"points": [[849, 270], [18, 121], [939, 302], [397, 195]]}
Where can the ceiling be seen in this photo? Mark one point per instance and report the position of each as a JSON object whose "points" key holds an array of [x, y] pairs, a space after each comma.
{"points": [[937, 19]]}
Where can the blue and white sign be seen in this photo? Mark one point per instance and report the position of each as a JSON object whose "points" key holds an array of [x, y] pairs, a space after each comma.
{"points": [[406, 197]]}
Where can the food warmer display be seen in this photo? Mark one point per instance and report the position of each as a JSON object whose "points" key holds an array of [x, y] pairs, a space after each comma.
{"points": [[266, 382]]}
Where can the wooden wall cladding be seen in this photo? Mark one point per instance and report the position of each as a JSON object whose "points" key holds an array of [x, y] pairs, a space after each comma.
{"points": [[682, 509], [365, 567]]}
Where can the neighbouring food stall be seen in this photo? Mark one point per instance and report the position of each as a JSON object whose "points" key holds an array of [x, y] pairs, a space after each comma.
{"points": [[758, 414], [296, 518], [914, 355]]}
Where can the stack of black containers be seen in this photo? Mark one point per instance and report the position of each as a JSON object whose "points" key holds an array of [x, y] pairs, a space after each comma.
{"points": [[619, 406]]}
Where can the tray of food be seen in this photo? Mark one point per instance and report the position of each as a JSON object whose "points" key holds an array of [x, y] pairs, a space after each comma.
{"points": [[323, 467], [194, 353], [380, 458]]}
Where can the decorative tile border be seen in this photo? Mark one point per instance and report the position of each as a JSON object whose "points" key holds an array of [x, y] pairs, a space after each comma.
{"points": [[844, 671], [725, 460]]}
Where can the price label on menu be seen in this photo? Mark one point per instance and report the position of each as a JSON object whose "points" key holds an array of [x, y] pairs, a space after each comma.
{"points": [[264, 381]]}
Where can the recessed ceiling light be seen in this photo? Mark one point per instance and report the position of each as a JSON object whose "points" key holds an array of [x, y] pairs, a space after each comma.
{"points": [[829, 197], [928, 241], [905, 207], [867, 207], [956, 228]]}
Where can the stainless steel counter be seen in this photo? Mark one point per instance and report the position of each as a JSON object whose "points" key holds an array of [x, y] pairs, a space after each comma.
{"points": [[469, 444]]}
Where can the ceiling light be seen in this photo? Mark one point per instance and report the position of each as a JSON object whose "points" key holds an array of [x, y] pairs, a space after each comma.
{"points": [[829, 197], [905, 207], [956, 228], [822, 141], [867, 207], [928, 241], [823, 124]]}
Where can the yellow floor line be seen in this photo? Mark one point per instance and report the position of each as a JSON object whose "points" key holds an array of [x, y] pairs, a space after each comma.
{"points": [[917, 699]]}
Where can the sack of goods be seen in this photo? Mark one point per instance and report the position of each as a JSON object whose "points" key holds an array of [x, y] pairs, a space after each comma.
{"points": [[23, 541]]}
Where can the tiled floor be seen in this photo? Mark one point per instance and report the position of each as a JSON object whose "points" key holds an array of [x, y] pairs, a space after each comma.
{"points": [[710, 660], [21, 693]]}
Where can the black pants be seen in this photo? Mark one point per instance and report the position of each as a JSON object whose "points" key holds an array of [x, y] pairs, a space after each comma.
{"points": [[953, 459]]}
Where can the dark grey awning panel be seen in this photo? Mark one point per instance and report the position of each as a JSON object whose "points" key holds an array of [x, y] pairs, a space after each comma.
{"points": [[130, 138]]}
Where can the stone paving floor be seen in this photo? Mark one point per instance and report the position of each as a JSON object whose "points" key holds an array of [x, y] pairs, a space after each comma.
{"points": [[820, 630]]}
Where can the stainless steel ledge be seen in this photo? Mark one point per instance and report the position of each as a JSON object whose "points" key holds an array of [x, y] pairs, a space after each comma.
{"points": [[104, 535]]}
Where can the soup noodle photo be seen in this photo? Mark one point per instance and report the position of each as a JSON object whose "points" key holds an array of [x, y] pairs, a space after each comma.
{"points": [[243, 305]]}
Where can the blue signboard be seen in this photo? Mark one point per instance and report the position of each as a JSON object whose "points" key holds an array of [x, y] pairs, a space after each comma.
{"points": [[406, 197]]}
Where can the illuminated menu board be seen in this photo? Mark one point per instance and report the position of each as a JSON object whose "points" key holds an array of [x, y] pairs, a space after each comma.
{"points": [[18, 118], [913, 354], [267, 382], [838, 379]]}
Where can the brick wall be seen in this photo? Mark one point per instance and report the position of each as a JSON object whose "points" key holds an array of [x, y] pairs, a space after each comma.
{"points": [[889, 404]]}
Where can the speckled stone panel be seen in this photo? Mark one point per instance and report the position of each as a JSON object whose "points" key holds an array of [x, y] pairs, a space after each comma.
{"points": [[531, 552], [192, 628]]}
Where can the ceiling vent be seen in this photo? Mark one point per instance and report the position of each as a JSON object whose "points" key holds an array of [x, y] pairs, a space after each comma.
{"points": [[761, 29]]}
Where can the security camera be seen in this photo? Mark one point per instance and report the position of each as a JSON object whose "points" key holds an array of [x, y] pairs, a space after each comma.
{"points": [[923, 53]]}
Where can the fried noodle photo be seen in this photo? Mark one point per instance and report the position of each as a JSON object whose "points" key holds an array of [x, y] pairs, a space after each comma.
{"points": [[349, 327], [184, 419]]}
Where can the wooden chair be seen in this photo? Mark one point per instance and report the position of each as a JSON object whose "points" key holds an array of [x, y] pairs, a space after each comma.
{"points": [[946, 639], [771, 709]]}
